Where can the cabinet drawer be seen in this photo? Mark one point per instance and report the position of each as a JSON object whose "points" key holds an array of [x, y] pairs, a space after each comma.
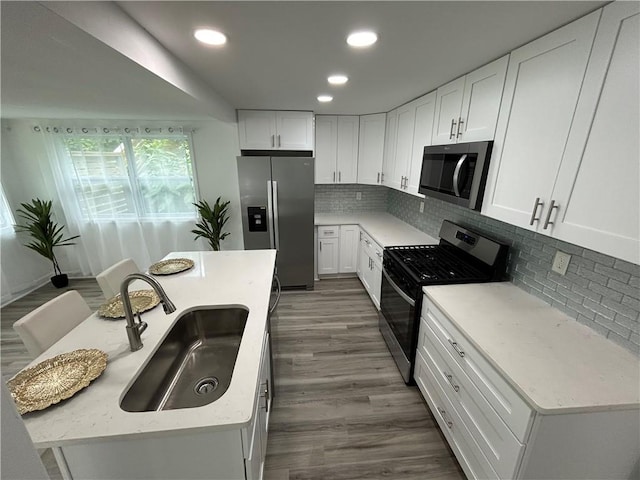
{"points": [[372, 248], [331, 231], [467, 452], [515, 412], [498, 444]]}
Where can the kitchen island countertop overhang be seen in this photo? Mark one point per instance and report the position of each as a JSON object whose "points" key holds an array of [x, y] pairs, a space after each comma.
{"points": [[218, 279]]}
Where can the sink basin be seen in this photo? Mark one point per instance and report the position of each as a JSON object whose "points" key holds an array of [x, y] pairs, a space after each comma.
{"points": [[194, 363]]}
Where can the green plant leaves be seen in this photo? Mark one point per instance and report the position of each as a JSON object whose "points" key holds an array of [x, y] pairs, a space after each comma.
{"points": [[45, 233], [212, 222]]}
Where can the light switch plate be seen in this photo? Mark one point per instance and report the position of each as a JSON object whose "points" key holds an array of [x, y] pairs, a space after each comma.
{"points": [[358, 195], [561, 262], [421, 207]]}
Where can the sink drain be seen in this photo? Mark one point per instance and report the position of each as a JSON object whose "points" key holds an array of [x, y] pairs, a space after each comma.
{"points": [[206, 386]]}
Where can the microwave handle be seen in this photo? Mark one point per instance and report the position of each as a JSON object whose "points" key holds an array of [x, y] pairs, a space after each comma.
{"points": [[456, 174]]}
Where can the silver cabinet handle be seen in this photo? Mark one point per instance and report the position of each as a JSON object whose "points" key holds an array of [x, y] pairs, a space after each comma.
{"points": [[456, 174], [460, 122], [453, 126], [379, 254], [320, 246], [266, 396], [278, 140], [378, 180], [455, 347], [339, 176], [273, 143], [548, 221], [450, 380], [382, 177], [443, 414], [334, 177], [537, 204]]}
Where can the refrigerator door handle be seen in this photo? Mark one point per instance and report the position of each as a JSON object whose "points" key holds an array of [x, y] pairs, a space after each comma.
{"points": [[270, 214], [276, 220]]}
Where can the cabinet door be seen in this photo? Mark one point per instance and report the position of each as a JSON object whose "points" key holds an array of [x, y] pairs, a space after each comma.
{"points": [[598, 186], [371, 148], [265, 396], [328, 249], [404, 146], [540, 97], [376, 284], [365, 267], [347, 152], [326, 148], [257, 129], [448, 103], [481, 102], [294, 130], [389, 159], [349, 237], [425, 110]]}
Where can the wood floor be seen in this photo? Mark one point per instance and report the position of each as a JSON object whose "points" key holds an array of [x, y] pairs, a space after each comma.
{"points": [[341, 409]]}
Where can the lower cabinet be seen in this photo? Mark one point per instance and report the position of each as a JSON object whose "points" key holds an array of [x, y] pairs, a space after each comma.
{"points": [[370, 267], [337, 249], [234, 454], [495, 433]]}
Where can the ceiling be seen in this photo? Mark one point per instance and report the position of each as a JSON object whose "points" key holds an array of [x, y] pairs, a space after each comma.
{"points": [[278, 54]]}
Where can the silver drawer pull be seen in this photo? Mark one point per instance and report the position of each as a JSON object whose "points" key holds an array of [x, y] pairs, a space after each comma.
{"points": [[450, 380], [443, 414], [379, 254], [456, 348]]}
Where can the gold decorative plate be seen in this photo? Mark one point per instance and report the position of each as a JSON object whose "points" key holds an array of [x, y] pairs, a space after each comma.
{"points": [[171, 266], [56, 379], [141, 301]]}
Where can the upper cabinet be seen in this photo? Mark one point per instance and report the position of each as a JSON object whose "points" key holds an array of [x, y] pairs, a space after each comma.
{"points": [[467, 108], [336, 148], [425, 108], [275, 130], [565, 160], [389, 156], [370, 148]]}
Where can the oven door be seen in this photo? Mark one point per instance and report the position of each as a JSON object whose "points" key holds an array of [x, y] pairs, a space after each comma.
{"points": [[398, 319]]}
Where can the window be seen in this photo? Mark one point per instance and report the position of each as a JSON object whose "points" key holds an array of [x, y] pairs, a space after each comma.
{"points": [[120, 176], [6, 217]]}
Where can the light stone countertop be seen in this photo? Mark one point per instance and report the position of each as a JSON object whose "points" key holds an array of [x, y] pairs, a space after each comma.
{"points": [[556, 364], [233, 278], [383, 227]]}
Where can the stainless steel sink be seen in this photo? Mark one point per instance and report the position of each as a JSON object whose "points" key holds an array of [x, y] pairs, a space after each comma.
{"points": [[194, 363]]}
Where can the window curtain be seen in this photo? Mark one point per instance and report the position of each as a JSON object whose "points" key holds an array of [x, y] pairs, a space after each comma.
{"points": [[105, 241]]}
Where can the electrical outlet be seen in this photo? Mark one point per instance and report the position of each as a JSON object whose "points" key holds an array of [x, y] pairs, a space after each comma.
{"points": [[421, 207], [561, 262], [358, 195]]}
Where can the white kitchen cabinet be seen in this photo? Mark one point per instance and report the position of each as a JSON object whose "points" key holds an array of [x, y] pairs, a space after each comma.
{"points": [[565, 160], [389, 156], [597, 190], [275, 130], [336, 148], [467, 108], [562, 428], [425, 108], [349, 238], [371, 148], [328, 249], [404, 146], [370, 267]]}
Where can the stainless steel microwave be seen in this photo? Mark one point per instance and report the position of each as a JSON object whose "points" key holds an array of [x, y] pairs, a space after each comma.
{"points": [[456, 173]]}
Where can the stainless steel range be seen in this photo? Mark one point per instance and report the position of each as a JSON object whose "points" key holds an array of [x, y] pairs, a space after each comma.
{"points": [[462, 256]]}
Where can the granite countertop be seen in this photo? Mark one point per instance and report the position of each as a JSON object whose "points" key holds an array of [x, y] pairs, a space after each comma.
{"points": [[218, 279], [556, 364], [383, 227]]}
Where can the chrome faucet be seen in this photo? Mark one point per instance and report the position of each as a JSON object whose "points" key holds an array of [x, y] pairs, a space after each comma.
{"points": [[135, 329]]}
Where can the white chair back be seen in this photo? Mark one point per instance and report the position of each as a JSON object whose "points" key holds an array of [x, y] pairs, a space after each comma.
{"points": [[50, 322], [112, 277]]}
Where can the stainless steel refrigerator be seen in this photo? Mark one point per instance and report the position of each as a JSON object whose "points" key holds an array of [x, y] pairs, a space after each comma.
{"points": [[277, 204]]}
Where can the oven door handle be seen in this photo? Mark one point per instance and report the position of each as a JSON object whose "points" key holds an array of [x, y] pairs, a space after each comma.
{"points": [[404, 296], [456, 175]]}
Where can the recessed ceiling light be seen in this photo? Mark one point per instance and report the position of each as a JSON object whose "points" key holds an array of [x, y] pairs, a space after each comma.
{"points": [[338, 79], [362, 39], [210, 37], [325, 98]]}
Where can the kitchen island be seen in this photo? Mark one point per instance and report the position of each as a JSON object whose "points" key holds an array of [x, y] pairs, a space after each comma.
{"points": [[93, 437]]}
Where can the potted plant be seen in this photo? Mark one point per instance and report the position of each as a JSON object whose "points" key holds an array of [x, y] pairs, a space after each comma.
{"points": [[212, 221], [46, 235]]}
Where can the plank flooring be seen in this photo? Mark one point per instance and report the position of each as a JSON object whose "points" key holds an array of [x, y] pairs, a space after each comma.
{"points": [[341, 409]]}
